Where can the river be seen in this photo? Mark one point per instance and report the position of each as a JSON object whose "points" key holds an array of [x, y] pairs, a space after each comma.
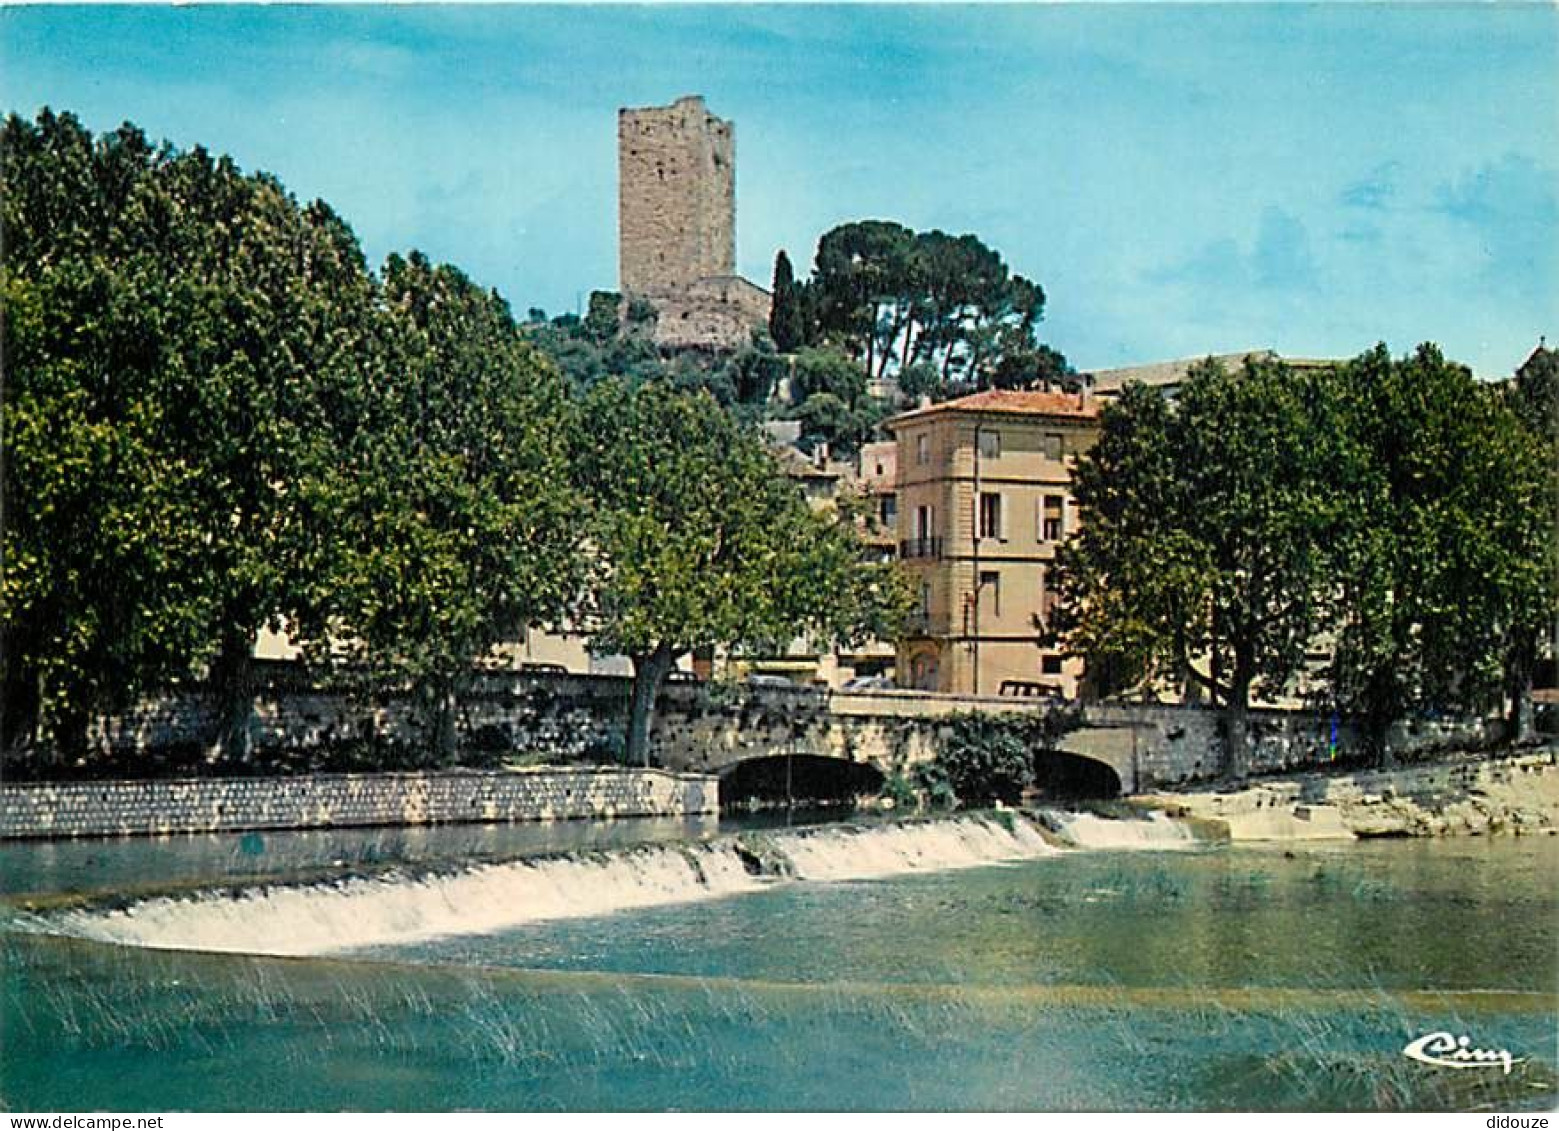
{"points": [[954, 965]]}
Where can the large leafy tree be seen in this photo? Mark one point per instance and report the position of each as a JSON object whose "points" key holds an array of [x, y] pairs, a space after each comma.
{"points": [[454, 524], [1441, 556], [1202, 553], [700, 541], [1534, 397], [187, 347]]}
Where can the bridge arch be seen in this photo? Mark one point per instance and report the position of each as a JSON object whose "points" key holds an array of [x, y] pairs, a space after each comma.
{"points": [[805, 779], [1064, 775]]}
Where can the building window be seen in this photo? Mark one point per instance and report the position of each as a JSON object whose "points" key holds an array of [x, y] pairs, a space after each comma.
{"points": [[890, 509], [1052, 445], [925, 523], [1052, 518], [1050, 665], [990, 444], [990, 590], [923, 448], [990, 515], [925, 599]]}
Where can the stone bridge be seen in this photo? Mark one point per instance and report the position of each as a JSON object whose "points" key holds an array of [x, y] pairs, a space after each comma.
{"points": [[1117, 748], [767, 736]]}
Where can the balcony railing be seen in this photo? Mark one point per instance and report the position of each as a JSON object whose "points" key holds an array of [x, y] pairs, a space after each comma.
{"points": [[920, 548]]}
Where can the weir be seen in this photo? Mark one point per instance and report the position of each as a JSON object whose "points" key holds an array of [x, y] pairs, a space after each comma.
{"points": [[397, 906]]}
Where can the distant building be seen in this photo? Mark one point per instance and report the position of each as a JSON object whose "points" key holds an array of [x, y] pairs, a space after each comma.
{"points": [[827, 484], [677, 226], [983, 501], [1166, 377], [879, 476]]}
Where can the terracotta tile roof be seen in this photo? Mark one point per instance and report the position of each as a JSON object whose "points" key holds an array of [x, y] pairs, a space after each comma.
{"points": [[1019, 402]]}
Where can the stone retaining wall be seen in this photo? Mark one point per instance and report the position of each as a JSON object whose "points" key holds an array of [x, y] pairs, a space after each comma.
{"points": [[1165, 744], [1468, 796], [707, 727], [125, 808]]}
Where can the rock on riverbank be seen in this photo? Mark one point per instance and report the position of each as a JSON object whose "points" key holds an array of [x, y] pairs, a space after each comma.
{"points": [[1471, 795]]}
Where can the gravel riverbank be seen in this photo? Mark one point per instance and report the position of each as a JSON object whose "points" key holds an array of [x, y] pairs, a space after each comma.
{"points": [[1471, 795]]}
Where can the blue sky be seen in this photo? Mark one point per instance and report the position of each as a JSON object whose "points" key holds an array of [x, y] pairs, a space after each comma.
{"points": [[1182, 179]]}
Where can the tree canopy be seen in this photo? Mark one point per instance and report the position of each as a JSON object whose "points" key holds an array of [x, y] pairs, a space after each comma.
{"points": [[896, 299], [454, 525], [1439, 556], [185, 346], [699, 541], [1203, 547], [217, 419], [1396, 506]]}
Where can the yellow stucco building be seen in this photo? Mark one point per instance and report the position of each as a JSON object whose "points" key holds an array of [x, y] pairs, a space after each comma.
{"points": [[984, 499]]}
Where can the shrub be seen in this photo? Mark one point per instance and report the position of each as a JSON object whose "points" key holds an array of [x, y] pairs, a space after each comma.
{"points": [[988, 758]]}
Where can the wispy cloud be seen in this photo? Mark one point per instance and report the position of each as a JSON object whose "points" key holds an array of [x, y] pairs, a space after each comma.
{"points": [[1374, 191], [1510, 209], [1277, 258]]}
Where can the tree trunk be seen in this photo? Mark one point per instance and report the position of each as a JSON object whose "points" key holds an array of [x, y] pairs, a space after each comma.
{"points": [[444, 723], [1237, 721], [19, 707], [649, 672], [1520, 725], [232, 685], [1378, 717]]}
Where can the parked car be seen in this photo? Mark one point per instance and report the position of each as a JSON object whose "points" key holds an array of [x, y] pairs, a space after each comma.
{"points": [[764, 679], [869, 683], [1029, 689]]}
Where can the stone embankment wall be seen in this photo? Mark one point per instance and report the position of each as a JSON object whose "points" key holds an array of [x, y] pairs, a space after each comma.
{"points": [[705, 728], [112, 808], [561, 718], [1468, 796], [1154, 745]]}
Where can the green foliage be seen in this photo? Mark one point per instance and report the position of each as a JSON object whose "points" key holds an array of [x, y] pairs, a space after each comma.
{"points": [[899, 788], [586, 351], [701, 541], [1396, 505], [984, 758], [187, 350], [918, 380], [787, 315], [935, 785], [832, 404], [217, 419], [1439, 559], [827, 371], [454, 525], [897, 300], [601, 322], [1208, 525]]}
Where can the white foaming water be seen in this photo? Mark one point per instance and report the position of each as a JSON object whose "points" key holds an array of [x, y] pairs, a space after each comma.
{"points": [[1158, 831], [858, 854], [318, 918], [367, 911]]}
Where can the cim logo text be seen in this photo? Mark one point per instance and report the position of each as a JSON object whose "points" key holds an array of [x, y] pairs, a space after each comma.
{"points": [[1446, 1051]]}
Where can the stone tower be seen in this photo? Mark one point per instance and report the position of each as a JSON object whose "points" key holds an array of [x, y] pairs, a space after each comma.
{"points": [[676, 197]]}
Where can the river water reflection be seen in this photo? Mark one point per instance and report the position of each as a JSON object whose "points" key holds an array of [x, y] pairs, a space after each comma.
{"points": [[1264, 978]]}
